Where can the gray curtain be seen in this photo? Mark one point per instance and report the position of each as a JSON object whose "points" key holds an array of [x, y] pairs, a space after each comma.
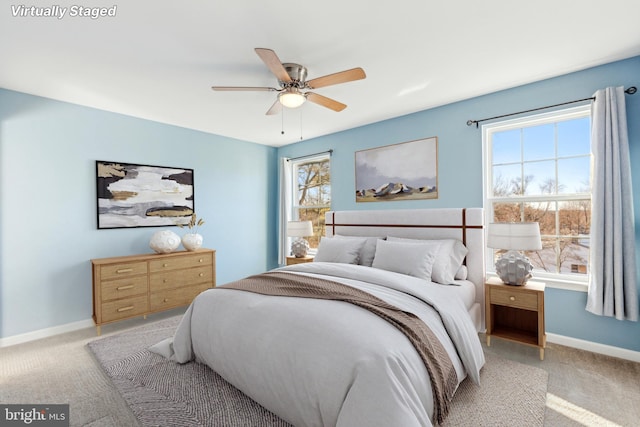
{"points": [[612, 284], [284, 209]]}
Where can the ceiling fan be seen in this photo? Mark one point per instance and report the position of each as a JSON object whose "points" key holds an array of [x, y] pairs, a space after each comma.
{"points": [[292, 79]]}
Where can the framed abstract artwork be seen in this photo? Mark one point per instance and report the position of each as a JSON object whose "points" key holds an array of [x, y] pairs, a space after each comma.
{"points": [[132, 195], [404, 171]]}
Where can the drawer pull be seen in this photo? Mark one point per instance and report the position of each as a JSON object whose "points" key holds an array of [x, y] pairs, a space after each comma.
{"points": [[120, 310], [165, 300], [124, 270], [165, 265], [200, 260], [122, 288], [164, 280], [201, 275], [512, 298]]}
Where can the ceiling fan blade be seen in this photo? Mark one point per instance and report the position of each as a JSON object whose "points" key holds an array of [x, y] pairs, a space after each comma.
{"points": [[337, 78], [230, 88], [274, 64], [325, 102], [275, 108]]}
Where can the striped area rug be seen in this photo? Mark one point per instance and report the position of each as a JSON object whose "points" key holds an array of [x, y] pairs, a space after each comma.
{"points": [[163, 393]]}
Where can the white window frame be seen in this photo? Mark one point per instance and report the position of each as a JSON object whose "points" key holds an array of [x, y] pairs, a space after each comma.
{"points": [[555, 280], [294, 187]]}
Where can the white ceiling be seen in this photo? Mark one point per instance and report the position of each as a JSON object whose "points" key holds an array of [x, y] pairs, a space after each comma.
{"points": [[158, 59]]}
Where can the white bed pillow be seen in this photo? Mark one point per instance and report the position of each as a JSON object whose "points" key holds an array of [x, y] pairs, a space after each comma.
{"points": [[462, 273], [406, 258], [346, 251], [448, 260], [368, 249]]}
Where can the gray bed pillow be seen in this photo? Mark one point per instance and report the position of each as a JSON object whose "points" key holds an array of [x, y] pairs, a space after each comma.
{"points": [[346, 251], [368, 249]]}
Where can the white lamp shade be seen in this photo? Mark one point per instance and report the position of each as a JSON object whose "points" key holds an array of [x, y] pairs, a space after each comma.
{"points": [[518, 236], [299, 229]]}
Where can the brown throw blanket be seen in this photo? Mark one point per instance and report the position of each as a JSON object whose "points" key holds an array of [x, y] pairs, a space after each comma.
{"points": [[444, 379]]}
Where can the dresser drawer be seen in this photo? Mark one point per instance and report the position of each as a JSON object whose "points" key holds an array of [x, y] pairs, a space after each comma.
{"points": [[180, 278], [123, 288], [179, 262], [124, 308], [516, 299], [125, 269], [175, 297]]}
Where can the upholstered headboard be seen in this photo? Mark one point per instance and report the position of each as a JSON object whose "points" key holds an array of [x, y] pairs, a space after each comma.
{"points": [[464, 224]]}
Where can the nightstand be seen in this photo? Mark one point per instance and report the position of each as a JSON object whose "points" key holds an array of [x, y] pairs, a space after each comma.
{"points": [[516, 313], [293, 260]]}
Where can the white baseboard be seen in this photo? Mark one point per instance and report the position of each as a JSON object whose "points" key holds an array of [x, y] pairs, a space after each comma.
{"points": [[45, 333], [594, 347]]}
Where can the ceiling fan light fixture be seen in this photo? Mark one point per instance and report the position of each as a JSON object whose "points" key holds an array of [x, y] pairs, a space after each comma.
{"points": [[291, 98]]}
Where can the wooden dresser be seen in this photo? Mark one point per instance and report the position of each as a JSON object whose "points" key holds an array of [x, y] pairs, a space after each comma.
{"points": [[137, 285]]}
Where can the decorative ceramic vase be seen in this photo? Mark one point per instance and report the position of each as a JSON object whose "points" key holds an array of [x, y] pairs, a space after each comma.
{"points": [[300, 248], [164, 242], [191, 241]]}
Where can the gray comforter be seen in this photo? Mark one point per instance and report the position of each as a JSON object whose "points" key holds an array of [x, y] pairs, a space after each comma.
{"points": [[325, 363]]}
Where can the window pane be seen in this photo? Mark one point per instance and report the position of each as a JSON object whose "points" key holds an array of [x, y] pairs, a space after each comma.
{"points": [[538, 142], [574, 137], [573, 175], [312, 184], [545, 259], [574, 255], [506, 147], [316, 216], [544, 213], [506, 212], [506, 180], [575, 218], [539, 177]]}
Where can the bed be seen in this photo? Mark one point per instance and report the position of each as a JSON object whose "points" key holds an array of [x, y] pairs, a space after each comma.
{"points": [[342, 341]]}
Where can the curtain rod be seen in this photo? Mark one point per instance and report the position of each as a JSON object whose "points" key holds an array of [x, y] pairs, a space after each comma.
{"points": [[311, 155], [629, 91]]}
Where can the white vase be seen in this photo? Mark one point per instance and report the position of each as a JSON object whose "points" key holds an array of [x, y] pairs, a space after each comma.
{"points": [[191, 241], [164, 242]]}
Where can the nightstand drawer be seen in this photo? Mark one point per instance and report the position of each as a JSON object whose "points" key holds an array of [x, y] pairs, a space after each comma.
{"points": [[516, 299]]}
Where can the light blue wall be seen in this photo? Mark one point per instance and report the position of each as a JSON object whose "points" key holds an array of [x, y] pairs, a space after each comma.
{"points": [[460, 170], [48, 229]]}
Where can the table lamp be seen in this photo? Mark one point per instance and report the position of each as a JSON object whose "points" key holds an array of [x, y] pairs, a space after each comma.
{"points": [[513, 267], [300, 230]]}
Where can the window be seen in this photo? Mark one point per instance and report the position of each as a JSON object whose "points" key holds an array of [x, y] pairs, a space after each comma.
{"points": [[311, 194], [539, 169]]}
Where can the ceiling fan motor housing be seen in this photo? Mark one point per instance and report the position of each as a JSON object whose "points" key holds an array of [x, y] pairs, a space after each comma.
{"points": [[298, 74]]}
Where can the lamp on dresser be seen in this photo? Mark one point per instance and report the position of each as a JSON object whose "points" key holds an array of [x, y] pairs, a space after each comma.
{"points": [[299, 230], [513, 267]]}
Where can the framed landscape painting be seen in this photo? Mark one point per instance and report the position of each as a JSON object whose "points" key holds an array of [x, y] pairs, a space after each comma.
{"points": [[131, 195], [405, 171]]}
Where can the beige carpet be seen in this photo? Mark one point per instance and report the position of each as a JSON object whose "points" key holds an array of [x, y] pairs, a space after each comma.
{"points": [[511, 393]]}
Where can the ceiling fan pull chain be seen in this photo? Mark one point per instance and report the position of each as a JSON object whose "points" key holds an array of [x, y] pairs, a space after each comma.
{"points": [[282, 122], [300, 124]]}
